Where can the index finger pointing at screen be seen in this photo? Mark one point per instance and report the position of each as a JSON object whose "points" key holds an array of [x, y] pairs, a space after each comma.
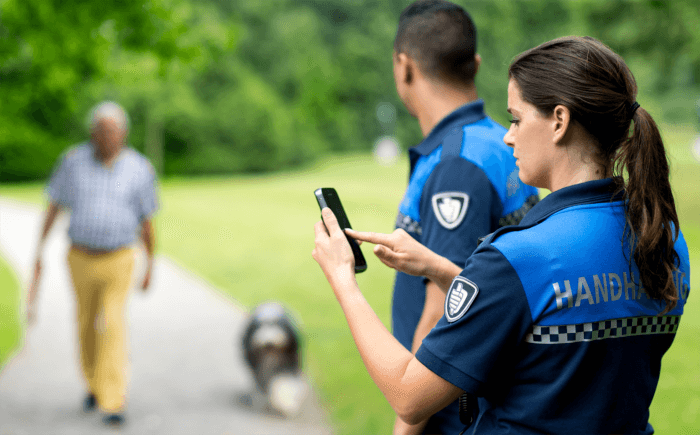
{"points": [[376, 238]]}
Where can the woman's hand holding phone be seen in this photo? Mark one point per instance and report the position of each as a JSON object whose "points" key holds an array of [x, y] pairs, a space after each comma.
{"points": [[328, 197], [332, 251]]}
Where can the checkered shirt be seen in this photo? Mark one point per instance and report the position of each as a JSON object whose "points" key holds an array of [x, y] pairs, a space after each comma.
{"points": [[107, 204]]}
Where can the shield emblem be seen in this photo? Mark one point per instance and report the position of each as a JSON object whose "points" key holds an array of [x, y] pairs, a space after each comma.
{"points": [[450, 208], [459, 298]]}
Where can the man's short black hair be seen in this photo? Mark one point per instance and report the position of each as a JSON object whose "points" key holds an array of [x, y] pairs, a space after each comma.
{"points": [[441, 37]]}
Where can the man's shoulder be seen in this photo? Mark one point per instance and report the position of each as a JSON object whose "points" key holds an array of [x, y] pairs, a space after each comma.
{"points": [[78, 150], [493, 127], [484, 139], [75, 152], [483, 147], [140, 161], [134, 154]]}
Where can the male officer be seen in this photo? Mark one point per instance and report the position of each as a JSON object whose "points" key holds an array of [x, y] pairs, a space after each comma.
{"points": [[111, 193], [463, 184]]}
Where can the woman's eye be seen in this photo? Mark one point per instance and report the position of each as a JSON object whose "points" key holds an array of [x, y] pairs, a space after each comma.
{"points": [[514, 121]]}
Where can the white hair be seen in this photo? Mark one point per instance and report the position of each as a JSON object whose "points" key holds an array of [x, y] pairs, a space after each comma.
{"points": [[109, 110]]}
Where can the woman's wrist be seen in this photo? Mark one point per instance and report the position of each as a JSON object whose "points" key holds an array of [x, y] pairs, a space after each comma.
{"points": [[343, 281], [434, 267], [443, 272]]}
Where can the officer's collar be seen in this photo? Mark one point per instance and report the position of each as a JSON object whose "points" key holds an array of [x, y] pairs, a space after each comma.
{"points": [[467, 114], [590, 192]]}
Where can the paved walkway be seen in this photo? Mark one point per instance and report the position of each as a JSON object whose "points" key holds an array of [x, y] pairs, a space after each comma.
{"points": [[187, 372]]}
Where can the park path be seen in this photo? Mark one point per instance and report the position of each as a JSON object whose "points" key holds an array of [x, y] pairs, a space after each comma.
{"points": [[187, 374]]}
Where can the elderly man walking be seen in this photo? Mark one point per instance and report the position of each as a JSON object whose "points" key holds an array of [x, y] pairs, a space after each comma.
{"points": [[110, 191]]}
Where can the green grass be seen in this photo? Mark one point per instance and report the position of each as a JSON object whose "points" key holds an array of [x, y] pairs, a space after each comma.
{"points": [[676, 405], [253, 237], [10, 330]]}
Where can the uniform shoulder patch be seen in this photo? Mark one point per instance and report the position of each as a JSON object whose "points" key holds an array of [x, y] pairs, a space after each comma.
{"points": [[459, 298], [450, 208]]}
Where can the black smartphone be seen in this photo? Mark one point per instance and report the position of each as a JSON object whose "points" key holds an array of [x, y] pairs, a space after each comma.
{"points": [[328, 197]]}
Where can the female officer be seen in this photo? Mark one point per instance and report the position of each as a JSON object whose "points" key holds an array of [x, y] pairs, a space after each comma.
{"points": [[558, 324]]}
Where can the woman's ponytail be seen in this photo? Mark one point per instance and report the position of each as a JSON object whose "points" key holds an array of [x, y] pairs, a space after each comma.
{"points": [[651, 211]]}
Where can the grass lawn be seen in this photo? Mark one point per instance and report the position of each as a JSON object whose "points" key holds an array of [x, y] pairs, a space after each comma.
{"points": [[676, 405], [253, 237], [10, 330]]}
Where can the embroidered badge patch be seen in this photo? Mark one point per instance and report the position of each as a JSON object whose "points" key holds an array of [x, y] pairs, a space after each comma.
{"points": [[450, 208], [459, 298]]}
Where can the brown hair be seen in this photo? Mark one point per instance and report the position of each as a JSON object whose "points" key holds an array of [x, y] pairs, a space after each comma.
{"points": [[595, 84]]}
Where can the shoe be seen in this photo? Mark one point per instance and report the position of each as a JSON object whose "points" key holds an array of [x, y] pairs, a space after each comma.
{"points": [[90, 403], [114, 420]]}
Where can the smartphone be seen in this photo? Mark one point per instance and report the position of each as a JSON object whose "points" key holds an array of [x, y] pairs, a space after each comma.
{"points": [[328, 197]]}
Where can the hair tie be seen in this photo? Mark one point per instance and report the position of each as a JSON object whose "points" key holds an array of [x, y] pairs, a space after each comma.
{"points": [[633, 108]]}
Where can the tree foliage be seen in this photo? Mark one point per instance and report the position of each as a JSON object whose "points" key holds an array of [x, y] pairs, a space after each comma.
{"points": [[233, 85]]}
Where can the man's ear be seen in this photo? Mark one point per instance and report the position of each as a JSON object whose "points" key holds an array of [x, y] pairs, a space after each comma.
{"points": [[561, 123], [477, 63], [405, 67]]}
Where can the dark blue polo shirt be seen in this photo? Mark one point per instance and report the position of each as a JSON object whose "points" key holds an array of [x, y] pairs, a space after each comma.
{"points": [[548, 325], [463, 185]]}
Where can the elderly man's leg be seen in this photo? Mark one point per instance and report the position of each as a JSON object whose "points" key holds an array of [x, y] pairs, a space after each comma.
{"points": [[87, 294], [112, 346]]}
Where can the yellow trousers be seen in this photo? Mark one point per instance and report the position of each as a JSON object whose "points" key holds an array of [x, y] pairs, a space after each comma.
{"points": [[101, 283]]}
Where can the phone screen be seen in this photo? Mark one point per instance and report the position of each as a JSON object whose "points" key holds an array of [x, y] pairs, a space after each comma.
{"points": [[328, 197]]}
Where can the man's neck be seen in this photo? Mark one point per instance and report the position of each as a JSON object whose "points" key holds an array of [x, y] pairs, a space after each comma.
{"points": [[439, 102], [107, 160]]}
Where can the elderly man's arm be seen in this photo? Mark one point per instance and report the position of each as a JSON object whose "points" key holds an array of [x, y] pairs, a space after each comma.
{"points": [[148, 238], [50, 217]]}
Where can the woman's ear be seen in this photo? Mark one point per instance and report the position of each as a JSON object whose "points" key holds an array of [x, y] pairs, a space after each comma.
{"points": [[562, 123]]}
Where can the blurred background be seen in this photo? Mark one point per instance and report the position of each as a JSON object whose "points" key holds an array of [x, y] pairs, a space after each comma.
{"points": [[246, 106], [232, 86]]}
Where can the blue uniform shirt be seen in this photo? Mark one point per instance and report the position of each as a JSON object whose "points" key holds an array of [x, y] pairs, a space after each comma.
{"points": [[548, 325], [464, 184]]}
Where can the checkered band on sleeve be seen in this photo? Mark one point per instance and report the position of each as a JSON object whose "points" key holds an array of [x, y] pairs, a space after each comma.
{"points": [[408, 224], [614, 328], [515, 217]]}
